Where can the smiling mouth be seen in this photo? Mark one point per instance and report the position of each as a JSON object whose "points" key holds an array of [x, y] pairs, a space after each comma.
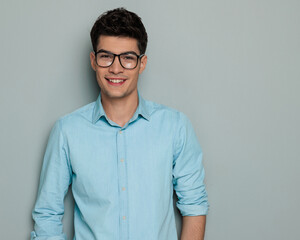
{"points": [[116, 80]]}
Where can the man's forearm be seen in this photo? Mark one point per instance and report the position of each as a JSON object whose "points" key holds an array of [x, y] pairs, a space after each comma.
{"points": [[193, 227]]}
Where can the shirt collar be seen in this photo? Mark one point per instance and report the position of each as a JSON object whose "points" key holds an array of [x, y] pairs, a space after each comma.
{"points": [[98, 110], [143, 110]]}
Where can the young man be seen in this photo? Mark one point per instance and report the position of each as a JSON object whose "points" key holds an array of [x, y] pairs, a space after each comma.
{"points": [[123, 155]]}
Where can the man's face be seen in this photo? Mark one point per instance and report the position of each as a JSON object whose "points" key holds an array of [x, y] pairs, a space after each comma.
{"points": [[115, 81]]}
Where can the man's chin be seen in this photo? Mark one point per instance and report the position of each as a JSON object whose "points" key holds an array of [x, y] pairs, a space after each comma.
{"points": [[115, 94]]}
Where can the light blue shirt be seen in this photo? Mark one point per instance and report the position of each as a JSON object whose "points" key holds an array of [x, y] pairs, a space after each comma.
{"points": [[122, 177]]}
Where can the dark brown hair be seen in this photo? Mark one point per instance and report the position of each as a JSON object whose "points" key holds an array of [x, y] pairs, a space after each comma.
{"points": [[120, 22]]}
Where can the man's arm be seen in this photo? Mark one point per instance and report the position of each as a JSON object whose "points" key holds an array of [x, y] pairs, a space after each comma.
{"points": [[54, 182], [193, 227], [188, 181]]}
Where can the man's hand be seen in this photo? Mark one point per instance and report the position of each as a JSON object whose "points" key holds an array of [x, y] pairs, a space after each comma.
{"points": [[193, 227]]}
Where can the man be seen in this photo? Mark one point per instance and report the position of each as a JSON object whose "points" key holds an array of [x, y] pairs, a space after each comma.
{"points": [[123, 155]]}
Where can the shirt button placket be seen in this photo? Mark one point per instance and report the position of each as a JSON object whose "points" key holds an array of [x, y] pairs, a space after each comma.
{"points": [[122, 174]]}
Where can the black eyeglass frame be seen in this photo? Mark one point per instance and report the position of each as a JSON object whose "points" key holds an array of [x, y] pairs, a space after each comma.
{"points": [[118, 55]]}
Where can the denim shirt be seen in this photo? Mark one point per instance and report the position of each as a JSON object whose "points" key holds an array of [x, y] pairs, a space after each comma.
{"points": [[122, 178]]}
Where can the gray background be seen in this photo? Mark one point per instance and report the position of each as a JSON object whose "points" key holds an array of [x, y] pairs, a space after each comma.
{"points": [[232, 66]]}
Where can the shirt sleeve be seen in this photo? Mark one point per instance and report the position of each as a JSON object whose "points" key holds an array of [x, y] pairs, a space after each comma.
{"points": [[188, 171], [54, 182]]}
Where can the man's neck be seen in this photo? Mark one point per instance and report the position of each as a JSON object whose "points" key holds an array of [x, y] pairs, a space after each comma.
{"points": [[120, 111]]}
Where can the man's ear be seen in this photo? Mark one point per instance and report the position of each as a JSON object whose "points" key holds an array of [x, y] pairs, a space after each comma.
{"points": [[143, 64], [93, 62]]}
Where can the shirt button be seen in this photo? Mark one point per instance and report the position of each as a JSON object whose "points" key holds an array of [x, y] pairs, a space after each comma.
{"points": [[122, 160], [124, 217], [123, 189], [120, 131]]}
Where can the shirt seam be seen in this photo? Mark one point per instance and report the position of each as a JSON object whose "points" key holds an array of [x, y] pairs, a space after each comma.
{"points": [[66, 150]]}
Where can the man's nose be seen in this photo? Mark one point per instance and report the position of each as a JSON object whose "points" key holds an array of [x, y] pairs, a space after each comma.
{"points": [[116, 67]]}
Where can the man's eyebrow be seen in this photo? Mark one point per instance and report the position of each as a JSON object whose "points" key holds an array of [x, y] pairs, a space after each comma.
{"points": [[133, 52], [102, 50], [105, 51]]}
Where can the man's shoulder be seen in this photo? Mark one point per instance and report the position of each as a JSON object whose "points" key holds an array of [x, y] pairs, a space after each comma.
{"points": [[79, 115], [158, 110]]}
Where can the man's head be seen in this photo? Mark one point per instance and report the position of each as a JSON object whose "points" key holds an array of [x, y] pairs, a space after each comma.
{"points": [[119, 42], [120, 22]]}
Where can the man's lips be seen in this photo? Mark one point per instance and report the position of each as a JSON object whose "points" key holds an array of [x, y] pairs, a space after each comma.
{"points": [[115, 80]]}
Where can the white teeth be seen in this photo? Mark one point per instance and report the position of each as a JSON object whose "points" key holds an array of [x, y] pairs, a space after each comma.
{"points": [[115, 80]]}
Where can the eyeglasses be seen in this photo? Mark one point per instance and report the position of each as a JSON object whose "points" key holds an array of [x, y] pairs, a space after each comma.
{"points": [[128, 60]]}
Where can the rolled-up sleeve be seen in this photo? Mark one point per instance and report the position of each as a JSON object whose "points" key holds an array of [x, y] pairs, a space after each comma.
{"points": [[54, 182], [188, 171]]}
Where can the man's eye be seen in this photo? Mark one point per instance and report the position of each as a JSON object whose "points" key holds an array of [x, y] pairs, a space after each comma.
{"points": [[104, 56], [128, 57]]}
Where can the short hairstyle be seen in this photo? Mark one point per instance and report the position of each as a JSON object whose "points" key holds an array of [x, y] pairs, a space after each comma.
{"points": [[120, 22]]}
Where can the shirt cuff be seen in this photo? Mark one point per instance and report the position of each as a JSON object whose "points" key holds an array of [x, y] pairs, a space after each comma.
{"points": [[33, 236], [192, 210]]}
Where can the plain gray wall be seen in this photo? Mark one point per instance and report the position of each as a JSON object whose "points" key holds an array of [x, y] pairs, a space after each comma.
{"points": [[232, 66]]}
